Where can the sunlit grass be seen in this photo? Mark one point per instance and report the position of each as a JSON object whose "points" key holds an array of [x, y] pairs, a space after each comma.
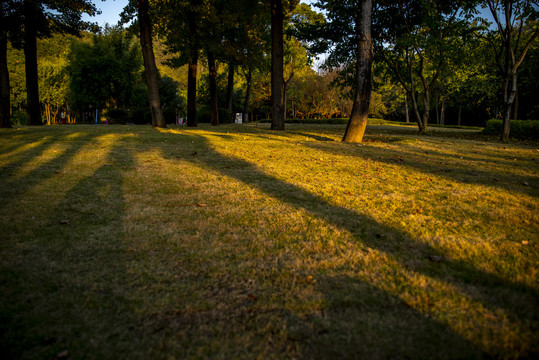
{"points": [[240, 242]]}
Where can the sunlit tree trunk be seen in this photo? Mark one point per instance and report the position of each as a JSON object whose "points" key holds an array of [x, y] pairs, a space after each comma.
{"points": [[5, 104], [247, 97], [277, 65], [230, 86], [30, 57], [213, 88], [360, 110], [192, 91], [407, 109], [152, 75]]}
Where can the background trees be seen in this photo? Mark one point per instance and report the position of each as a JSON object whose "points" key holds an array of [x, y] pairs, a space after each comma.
{"points": [[516, 23], [437, 61]]}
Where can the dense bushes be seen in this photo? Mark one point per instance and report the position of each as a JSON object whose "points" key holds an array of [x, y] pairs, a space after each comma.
{"points": [[332, 121], [117, 116], [520, 129], [204, 116]]}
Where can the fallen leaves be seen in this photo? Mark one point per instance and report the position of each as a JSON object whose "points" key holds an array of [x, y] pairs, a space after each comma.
{"points": [[64, 222]]}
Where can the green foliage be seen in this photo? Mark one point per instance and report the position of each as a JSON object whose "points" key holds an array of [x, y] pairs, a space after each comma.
{"points": [[520, 129], [332, 121], [204, 115], [170, 115], [225, 116], [140, 115], [169, 95], [117, 116], [19, 118], [106, 72]]}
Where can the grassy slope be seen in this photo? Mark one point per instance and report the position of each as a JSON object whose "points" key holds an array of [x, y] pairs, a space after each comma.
{"points": [[239, 242]]}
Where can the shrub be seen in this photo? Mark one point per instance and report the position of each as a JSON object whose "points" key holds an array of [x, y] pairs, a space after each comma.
{"points": [[117, 116], [225, 116], [170, 116], [19, 118], [332, 121], [140, 116], [203, 115], [520, 129]]}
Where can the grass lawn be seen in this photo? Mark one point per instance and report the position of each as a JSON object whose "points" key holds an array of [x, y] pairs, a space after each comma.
{"points": [[126, 242]]}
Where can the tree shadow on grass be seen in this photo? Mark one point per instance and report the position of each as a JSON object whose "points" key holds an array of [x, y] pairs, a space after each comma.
{"points": [[12, 188], [419, 160], [412, 255], [64, 288]]}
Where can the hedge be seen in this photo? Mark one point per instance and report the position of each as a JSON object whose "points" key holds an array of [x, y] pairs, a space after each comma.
{"points": [[331, 121], [519, 129]]}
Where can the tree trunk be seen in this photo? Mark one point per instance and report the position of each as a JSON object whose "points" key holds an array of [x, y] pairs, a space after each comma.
{"points": [[152, 75], [515, 104], [192, 91], [360, 109], [460, 115], [277, 66], [442, 112], [30, 57], [509, 96], [437, 100], [213, 89], [426, 105], [5, 104], [415, 108], [247, 97], [230, 86], [407, 110]]}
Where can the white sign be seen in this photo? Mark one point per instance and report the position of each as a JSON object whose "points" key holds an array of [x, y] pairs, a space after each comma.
{"points": [[239, 117]]}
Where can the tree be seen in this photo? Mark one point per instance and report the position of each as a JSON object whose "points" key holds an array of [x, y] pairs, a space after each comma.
{"points": [[31, 18], [180, 23], [152, 75], [41, 18], [413, 41], [277, 66], [9, 26], [105, 72], [511, 18], [360, 110]]}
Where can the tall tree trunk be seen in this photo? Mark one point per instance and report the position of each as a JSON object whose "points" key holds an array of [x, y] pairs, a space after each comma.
{"points": [[459, 118], [426, 110], [230, 86], [407, 109], [415, 108], [277, 66], [285, 100], [509, 97], [360, 109], [437, 100], [30, 57], [442, 112], [247, 97], [5, 104], [515, 104], [213, 89], [192, 90], [152, 75]]}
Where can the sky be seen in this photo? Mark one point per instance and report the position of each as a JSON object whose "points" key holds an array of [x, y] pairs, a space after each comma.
{"points": [[110, 11]]}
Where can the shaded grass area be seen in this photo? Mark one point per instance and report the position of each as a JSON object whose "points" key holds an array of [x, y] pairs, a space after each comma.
{"points": [[240, 242]]}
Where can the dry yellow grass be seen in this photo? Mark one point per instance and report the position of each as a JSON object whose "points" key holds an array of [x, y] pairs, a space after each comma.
{"points": [[240, 242]]}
